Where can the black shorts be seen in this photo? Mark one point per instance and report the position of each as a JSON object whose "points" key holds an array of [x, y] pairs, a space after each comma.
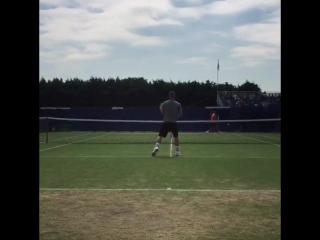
{"points": [[168, 127], [213, 125]]}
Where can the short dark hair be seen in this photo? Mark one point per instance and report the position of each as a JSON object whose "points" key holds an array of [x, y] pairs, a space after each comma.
{"points": [[172, 94]]}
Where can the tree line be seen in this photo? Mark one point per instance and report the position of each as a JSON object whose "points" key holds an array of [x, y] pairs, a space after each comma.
{"points": [[130, 92]]}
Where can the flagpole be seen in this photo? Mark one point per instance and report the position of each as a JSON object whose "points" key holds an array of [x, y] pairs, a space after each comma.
{"points": [[217, 81]]}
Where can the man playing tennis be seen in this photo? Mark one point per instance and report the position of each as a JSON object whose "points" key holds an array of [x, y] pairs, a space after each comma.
{"points": [[214, 126], [171, 111]]}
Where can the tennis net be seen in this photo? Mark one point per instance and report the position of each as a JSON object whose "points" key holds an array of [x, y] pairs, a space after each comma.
{"points": [[97, 131]]}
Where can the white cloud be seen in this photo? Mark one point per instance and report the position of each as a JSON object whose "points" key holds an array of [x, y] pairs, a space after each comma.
{"points": [[252, 63], [202, 61], [227, 7], [220, 34], [274, 16], [265, 33], [68, 24], [236, 6], [67, 53], [211, 48], [54, 2], [115, 22], [91, 51], [47, 56], [152, 33], [264, 38], [253, 51], [192, 1], [254, 55]]}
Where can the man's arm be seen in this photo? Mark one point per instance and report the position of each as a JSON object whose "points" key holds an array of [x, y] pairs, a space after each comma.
{"points": [[180, 111], [161, 108]]}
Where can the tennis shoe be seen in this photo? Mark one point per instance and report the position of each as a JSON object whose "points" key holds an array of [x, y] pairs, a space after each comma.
{"points": [[155, 150]]}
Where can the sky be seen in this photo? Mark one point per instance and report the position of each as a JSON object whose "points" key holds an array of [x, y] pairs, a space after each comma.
{"points": [[180, 40]]}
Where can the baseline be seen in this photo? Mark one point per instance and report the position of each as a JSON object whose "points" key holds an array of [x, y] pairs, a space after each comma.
{"points": [[46, 156], [160, 189]]}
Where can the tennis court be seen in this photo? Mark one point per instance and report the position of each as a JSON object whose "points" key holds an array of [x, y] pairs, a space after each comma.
{"points": [[106, 185]]}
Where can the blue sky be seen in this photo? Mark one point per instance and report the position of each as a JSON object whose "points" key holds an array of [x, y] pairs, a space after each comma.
{"points": [[168, 39]]}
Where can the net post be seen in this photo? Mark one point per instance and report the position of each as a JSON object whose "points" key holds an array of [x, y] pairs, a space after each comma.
{"points": [[47, 129]]}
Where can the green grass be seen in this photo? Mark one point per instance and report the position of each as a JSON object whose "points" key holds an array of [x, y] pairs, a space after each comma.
{"points": [[86, 167], [221, 162]]}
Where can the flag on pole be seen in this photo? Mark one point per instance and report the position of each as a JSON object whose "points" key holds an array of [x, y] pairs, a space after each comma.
{"points": [[218, 66]]}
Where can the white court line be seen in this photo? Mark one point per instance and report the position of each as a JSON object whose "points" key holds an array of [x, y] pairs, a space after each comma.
{"points": [[157, 190], [150, 157], [269, 137], [257, 140], [68, 137], [72, 143]]}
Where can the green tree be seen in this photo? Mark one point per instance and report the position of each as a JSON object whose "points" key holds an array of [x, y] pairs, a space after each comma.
{"points": [[130, 92]]}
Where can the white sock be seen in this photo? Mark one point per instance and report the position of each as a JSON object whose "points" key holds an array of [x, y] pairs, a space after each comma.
{"points": [[177, 148], [157, 145]]}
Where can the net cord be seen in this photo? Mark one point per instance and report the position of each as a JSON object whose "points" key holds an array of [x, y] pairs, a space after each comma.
{"points": [[157, 121]]}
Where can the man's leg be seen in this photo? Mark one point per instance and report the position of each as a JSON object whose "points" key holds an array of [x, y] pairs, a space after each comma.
{"points": [[158, 142], [212, 126], [209, 130], [162, 133], [156, 147], [176, 138], [176, 143]]}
